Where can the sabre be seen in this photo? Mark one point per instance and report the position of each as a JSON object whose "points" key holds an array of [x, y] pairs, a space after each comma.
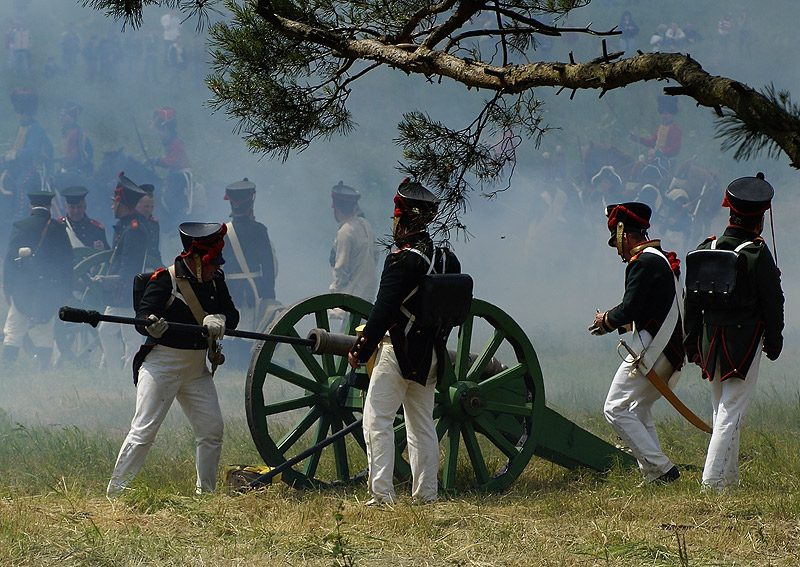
{"points": [[661, 385], [144, 150]]}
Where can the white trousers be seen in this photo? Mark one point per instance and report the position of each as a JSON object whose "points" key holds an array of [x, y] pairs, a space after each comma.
{"points": [[729, 401], [628, 408], [166, 375], [388, 390], [18, 324], [119, 342]]}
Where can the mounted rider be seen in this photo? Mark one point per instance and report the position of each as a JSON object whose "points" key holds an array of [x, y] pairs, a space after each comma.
{"points": [[27, 167]]}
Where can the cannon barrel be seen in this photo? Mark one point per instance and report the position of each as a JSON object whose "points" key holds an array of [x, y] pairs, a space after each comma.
{"points": [[340, 344]]}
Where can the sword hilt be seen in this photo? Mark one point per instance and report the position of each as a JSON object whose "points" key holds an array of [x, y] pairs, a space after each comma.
{"points": [[622, 343]]}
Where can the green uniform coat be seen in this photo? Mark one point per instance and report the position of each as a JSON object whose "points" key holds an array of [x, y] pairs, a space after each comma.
{"points": [[403, 270], [732, 335], [648, 298]]}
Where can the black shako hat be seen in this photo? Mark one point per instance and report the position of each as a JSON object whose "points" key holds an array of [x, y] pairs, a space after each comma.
{"points": [[40, 198], [345, 194], [127, 191], [75, 194], [414, 206], [241, 195], [634, 217], [749, 196], [203, 235]]}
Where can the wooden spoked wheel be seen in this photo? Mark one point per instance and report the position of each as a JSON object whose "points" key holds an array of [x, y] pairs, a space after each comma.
{"points": [[486, 405], [294, 399]]}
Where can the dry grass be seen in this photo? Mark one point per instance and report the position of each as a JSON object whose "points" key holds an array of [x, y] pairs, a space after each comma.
{"points": [[581, 521], [60, 432]]}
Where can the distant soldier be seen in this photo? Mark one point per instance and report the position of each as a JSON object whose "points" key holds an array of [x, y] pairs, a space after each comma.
{"points": [[354, 257], [83, 232], [70, 43], [128, 258], [665, 142], [27, 166], [145, 207], [176, 196], [86, 236], [251, 265], [37, 279], [76, 148]]}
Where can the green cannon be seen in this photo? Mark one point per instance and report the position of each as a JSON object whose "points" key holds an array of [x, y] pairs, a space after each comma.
{"points": [[490, 409]]}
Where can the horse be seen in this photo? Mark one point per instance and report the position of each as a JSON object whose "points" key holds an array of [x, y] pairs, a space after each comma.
{"points": [[594, 156], [703, 191], [692, 192]]}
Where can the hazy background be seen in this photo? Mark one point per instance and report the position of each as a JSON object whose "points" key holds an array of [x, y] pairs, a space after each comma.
{"points": [[549, 269]]}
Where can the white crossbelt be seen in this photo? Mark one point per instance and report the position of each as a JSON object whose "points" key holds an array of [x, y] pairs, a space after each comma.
{"points": [[651, 352], [245, 274]]}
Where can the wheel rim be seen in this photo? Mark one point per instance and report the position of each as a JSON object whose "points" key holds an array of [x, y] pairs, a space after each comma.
{"points": [[86, 291], [293, 399], [485, 421]]}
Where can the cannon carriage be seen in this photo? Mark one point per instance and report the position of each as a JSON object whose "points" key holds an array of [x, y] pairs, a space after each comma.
{"points": [[490, 410]]}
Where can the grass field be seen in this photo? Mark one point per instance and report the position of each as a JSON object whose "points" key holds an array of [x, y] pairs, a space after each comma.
{"points": [[60, 431]]}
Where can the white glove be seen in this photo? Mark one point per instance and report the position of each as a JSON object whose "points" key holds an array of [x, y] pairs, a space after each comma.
{"points": [[10, 155], [215, 325], [158, 326]]}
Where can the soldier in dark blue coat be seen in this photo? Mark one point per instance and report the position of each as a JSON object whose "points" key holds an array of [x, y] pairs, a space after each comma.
{"points": [[172, 365], [128, 258], [37, 279], [145, 207], [251, 266], [83, 232], [406, 369], [726, 341]]}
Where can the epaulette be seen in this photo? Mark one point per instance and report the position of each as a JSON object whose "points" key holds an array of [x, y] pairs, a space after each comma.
{"points": [[62, 220], [97, 224], [758, 240], [709, 239], [157, 272]]}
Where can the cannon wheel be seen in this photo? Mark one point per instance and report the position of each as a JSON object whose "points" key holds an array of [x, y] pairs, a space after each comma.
{"points": [[485, 422], [88, 263], [86, 291]]}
